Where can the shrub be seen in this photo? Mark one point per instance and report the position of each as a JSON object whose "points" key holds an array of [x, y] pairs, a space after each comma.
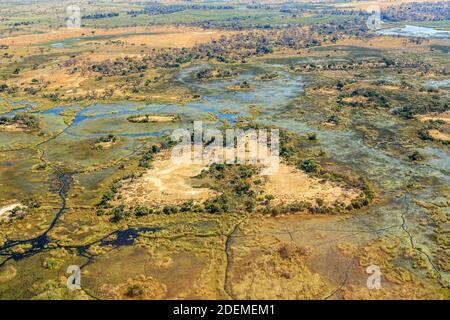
{"points": [[218, 204], [312, 136], [241, 187], [309, 166], [424, 135], [416, 156], [134, 291], [319, 202], [170, 209], [109, 138], [333, 119], [31, 203], [359, 203], [142, 211], [186, 206], [119, 214]]}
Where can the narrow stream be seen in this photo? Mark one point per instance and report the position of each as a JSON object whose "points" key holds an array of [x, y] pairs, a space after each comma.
{"points": [[389, 172]]}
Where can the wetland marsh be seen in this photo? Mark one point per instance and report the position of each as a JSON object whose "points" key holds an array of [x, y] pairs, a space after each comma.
{"points": [[363, 180]]}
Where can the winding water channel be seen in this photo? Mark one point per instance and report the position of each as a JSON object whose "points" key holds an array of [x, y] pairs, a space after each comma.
{"points": [[388, 171]]}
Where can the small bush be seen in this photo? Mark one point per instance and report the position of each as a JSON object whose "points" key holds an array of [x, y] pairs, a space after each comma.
{"points": [[309, 166], [312, 136], [119, 214], [416, 156]]}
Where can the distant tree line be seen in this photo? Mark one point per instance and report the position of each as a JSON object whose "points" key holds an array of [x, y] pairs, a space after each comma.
{"points": [[231, 49], [415, 11], [158, 8], [100, 15]]}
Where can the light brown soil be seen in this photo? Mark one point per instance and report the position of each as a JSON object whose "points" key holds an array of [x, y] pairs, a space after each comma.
{"points": [[165, 184], [104, 145], [290, 185], [154, 118], [175, 39], [357, 99], [437, 135], [52, 76], [383, 42], [163, 37], [239, 88], [14, 127], [4, 211]]}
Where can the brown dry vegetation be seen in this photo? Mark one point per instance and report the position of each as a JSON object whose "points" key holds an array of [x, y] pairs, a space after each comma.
{"points": [[389, 43], [13, 127], [65, 75], [166, 36], [437, 135], [397, 282], [444, 116], [154, 118], [279, 273]]}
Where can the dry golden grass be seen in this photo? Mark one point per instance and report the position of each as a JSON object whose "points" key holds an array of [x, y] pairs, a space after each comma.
{"points": [[437, 135], [51, 76], [177, 38], [444, 116], [385, 42], [396, 282], [6, 209], [167, 36], [279, 272], [7, 273], [154, 118], [14, 127], [356, 99]]}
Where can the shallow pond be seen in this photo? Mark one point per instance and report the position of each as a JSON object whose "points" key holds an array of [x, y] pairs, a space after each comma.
{"points": [[415, 31], [438, 83]]}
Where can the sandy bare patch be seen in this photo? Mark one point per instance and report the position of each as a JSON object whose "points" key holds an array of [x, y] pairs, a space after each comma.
{"points": [[444, 116], [327, 91], [153, 118], [6, 210], [13, 127], [165, 184], [178, 39], [104, 145], [383, 42], [356, 99], [291, 185], [161, 36], [438, 135], [50, 78]]}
